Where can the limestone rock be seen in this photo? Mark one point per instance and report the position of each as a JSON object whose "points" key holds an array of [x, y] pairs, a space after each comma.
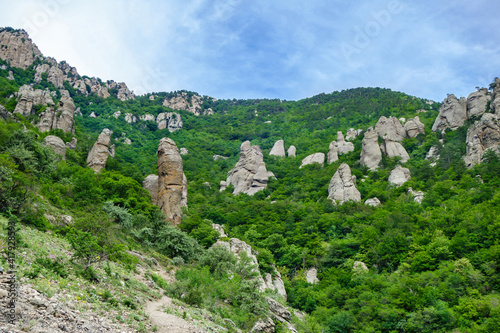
{"points": [[184, 151], [223, 185], [263, 326], [57, 144], [476, 103], [72, 145], [249, 175], [17, 48], [147, 117], [343, 146], [312, 276], [495, 98], [278, 309], [170, 180], [390, 129], [92, 115], [373, 202], [66, 110], [220, 229], [193, 103], [184, 199], [29, 97], [414, 127], [278, 149], [359, 267], [313, 158], [130, 118], [292, 151], [452, 114], [100, 151], [433, 154], [342, 186], [371, 155], [150, 183], [4, 114], [333, 155], [122, 91], [484, 134], [117, 114], [219, 157], [170, 120], [399, 175], [11, 76], [418, 196], [351, 134], [395, 149]]}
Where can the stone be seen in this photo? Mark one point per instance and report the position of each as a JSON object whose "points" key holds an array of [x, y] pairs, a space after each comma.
{"points": [[190, 102], [292, 151], [483, 135], [184, 151], [72, 145], [414, 127], [278, 149], [117, 114], [17, 48], [147, 117], [351, 134], [66, 111], [390, 129], [219, 157], [452, 114], [92, 115], [279, 310], [342, 186], [313, 158], [4, 114], [223, 185], [359, 267], [100, 151], [343, 147], [399, 175], [477, 102], [418, 196], [433, 154], [220, 229], [371, 155], [395, 149], [29, 97], [333, 155], [312, 276], [130, 118], [373, 202], [150, 183], [11, 76], [122, 91], [263, 326], [170, 120], [495, 97], [184, 198], [57, 145], [170, 180]]}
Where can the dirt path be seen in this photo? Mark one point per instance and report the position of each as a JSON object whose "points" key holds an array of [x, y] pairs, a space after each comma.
{"points": [[167, 323]]}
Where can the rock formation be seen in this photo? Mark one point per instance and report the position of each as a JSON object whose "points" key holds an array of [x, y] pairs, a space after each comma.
{"points": [[147, 117], [312, 276], [292, 151], [29, 97], [333, 153], [184, 151], [352, 133], [249, 175], [359, 267], [17, 48], [100, 151], [495, 98], [313, 158], [390, 129], [184, 199], [278, 149], [373, 202], [72, 145], [452, 114], [371, 155], [170, 120], [342, 186], [484, 134], [57, 144], [414, 127], [418, 196], [344, 147], [191, 103], [399, 175], [150, 183], [170, 180], [477, 102], [130, 118], [395, 149], [122, 91], [62, 118], [4, 114]]}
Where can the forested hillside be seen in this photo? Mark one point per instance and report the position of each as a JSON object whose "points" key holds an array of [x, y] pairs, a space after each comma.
{"points": [[405, 265]]}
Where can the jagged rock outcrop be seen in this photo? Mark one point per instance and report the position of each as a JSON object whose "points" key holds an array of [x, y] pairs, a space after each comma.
{"points": [[390, 129], [484, 134], [359, 267], [278, 149], [342, 186], [373, 202], [495, 98], [150, 183], [414, 127], [57, 144], [122, 91], [220, 229], [263, 326], [100, 151], [371, 155], [11, 76], [219, 157], [343, 146], [395, 149], [147, 117], [452, 114], [333, 153], [190, 102], [170, 180], [62, 118], [352, 133], [399, 175], [477, 102], [130, 118], [184, 151], [72, 145], [281, 314], [275, 283], [249, 175], [313, 158], [312, 275], [4, 114], [17, 48], [29, 97], [292, 151], [418, 196], [170, 120]]}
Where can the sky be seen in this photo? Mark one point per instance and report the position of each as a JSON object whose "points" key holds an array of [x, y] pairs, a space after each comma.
{"points": [[282, 49]]}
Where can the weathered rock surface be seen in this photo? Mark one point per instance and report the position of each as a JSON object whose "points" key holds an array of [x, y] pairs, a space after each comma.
{"points": [[399, 175], [278, 310], [193, 103], [219, 157], [344, 147], [359, 267], [147, 117], [122, 91], [72, 145], [373, 202], [170, 180], [313, 158], [452, 114], [495, 98], [484, 134], [418, 196], [312, 275], [263, 326], [414, 127], [100, 151], [292, 151], [278, 149], [342, 186], [4, 114], [170, 120], [150, 183], [184, 151], [57, 144], [66, 111], [371, 155], [29, 97], [17, 48], [476, 103], [352, 133], [184, 199], [249, 175], [395, 149], [390, 129], [333, 153]]}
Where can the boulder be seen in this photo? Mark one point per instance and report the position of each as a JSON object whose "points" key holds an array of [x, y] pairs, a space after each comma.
{"points": [[72, 145], [117, 114], [484, 134], [343, 146], [130, 118], [390, 129], [418, 196], [371, 155], [147, 117], [312, 276], [292, 151], [100, 151], [278, 149], [219, 157], [184, 151], [170, 180], [333, 155], [220, 229], [351, 134], [373, 202], [359, 267], [150, 183], [170, 120], [477, 102], [414, 127], [17, 48], [122, 91], [395, 149], [184, 199], [399, 175], [342, 186], [57, 144], [313, 158], [452, 114], [263, 326], [66, 111]]}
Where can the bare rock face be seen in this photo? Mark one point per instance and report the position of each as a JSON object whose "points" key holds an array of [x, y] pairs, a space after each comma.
{"points": [[72, 145], [476, 103], [170, 120], [278, 310], [333, 153], [123, 93], [278, 149], [62, 118], [393, 149], [343, 146], [100, 151], [147, 117], [292, 151], [359, 267], [130, 118], [29, 97], [193, 103], [452, 114], [17, 48], [150, 183], [342, 186], [414, 127], [418, 196], [313, 158], [312, 276], [390, 129], [371, 155], [399, 175], [373, 202], [495, 98], [57, 144], [484, 134], [4, 114], [263, 326], [170, 180], [352, 134]]}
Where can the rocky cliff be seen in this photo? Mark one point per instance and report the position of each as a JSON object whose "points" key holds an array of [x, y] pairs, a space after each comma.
{"points": [[17, 48], [98, 156], [190, 102]]}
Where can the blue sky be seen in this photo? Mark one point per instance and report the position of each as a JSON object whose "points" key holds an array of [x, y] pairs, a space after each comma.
{"points": [[270, 49]]}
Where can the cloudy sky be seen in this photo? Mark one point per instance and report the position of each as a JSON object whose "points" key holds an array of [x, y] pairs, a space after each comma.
{"points": [[270, 48]]}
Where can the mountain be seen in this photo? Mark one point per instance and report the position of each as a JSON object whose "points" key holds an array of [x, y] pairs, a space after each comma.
{"points": [[382, 216]]}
